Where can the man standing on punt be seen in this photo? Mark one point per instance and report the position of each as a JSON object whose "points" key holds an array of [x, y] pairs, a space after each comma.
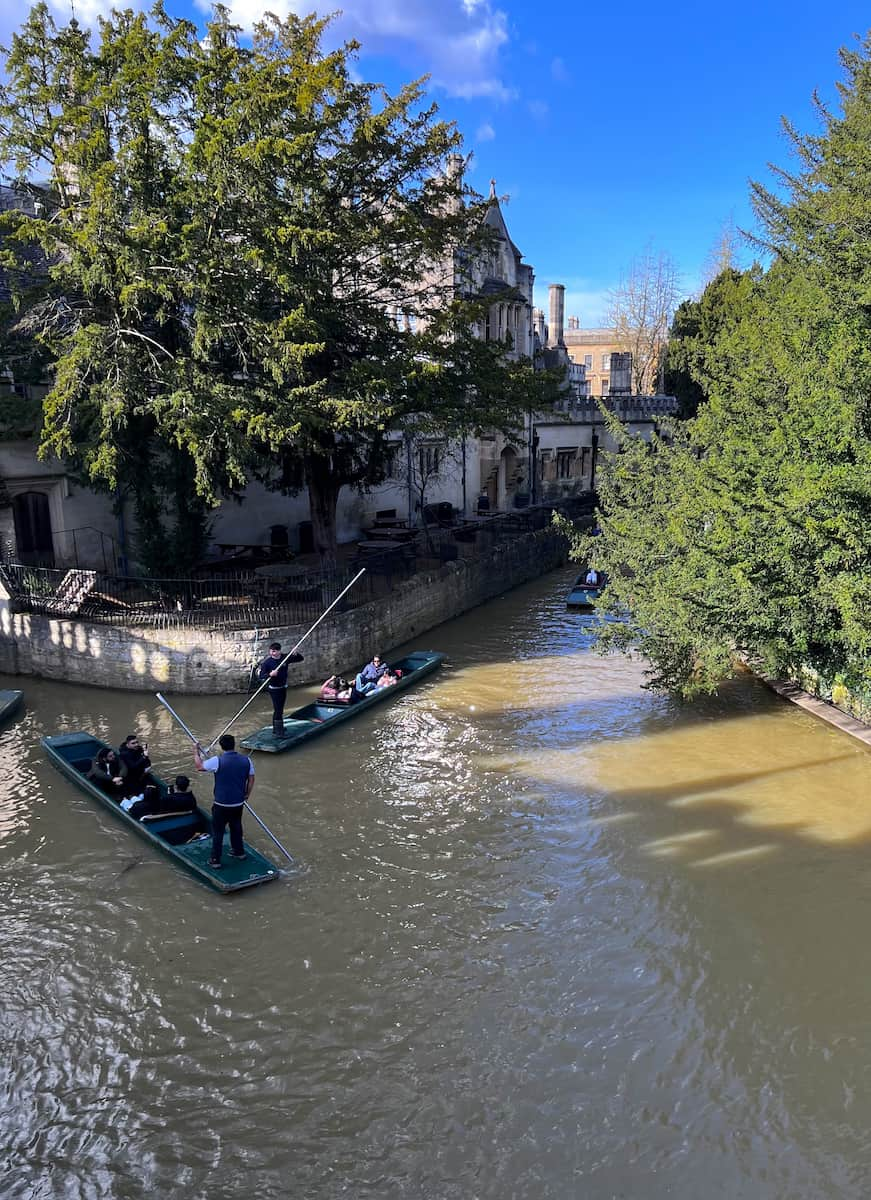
{"points": [[234, 783], [273, 669]]}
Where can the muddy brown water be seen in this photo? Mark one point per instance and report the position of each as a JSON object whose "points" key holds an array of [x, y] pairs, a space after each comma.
{"points": [[551, 937]]}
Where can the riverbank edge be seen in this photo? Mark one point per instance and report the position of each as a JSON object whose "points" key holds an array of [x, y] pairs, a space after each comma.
{"points": [[789, 690], [202, 661]]}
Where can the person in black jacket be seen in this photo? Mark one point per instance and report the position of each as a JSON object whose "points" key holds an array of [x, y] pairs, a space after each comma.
{"points": [[106, 771], [135, 765], [273, 669]]}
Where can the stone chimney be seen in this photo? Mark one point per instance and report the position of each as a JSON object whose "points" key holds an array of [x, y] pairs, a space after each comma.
{"points": [[574, 323], [557, 295], [455, 167], [621, 374]]}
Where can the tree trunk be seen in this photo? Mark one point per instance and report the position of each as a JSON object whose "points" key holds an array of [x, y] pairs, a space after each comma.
{"points": [[323, 493]]}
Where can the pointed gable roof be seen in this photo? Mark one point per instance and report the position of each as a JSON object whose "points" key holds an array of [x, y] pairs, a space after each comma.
{"points": [[496, 221]]}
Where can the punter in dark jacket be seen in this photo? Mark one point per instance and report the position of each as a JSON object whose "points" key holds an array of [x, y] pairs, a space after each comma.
{"points": [[273, 669], [234, 783]]}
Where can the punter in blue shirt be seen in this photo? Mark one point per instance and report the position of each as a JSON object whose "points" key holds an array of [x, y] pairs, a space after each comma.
{"points": [[234, 783]]}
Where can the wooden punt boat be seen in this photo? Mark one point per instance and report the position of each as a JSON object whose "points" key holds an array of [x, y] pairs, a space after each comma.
{"points": [[73, 753], [10, 702], [583, 594], [316, 718]]}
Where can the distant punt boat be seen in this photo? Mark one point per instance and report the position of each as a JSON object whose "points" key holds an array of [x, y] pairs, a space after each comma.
{"points": [[73, 753], [316, 718], [10, 702], [583, 594]]}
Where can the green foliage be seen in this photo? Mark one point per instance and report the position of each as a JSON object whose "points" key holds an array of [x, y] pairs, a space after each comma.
{"points": [[746, 529], [691, 363], [235, 232]]}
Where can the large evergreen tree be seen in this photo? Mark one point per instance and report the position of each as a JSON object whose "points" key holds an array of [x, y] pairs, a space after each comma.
{"points": [[748, 529], [251, 254]]}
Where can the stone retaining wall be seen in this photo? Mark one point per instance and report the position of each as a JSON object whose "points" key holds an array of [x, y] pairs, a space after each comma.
{"points": [[191, 660]]}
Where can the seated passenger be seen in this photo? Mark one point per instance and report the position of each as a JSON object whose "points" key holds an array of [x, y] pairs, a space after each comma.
{"points": [[135, 765], [336, 688], [106, 772], [143, 804], [387, 679], [362, 685], [592, 578], [179, 798], [373, 671]]}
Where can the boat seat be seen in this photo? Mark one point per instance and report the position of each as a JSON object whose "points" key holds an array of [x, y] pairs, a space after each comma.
{"points": [[82, 764], [175, 830]]}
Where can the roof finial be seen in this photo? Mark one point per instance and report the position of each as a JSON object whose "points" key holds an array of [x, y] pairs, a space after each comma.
{"points": [[492, 189]]}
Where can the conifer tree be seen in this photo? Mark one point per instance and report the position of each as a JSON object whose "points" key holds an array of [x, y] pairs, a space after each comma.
{"points": [[746, 530]]}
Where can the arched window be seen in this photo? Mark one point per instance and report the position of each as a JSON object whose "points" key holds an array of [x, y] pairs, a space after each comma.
{"points": [[30, 512]]}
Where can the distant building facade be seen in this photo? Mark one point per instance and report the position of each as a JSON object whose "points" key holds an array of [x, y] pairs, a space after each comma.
{"points": [[593, 348]]}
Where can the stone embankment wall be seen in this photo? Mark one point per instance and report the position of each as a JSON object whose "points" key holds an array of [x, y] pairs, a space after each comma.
{"points": [[193, 660]]}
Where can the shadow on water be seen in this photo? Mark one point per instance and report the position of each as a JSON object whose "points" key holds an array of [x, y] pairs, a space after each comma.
{"points": [[560, 937]]}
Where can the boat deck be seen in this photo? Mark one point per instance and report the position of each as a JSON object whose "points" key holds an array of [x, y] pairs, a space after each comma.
{"points": [[311, 720], [186, 837]]}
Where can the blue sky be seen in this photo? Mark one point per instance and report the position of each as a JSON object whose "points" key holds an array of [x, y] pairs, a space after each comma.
{"points": [[612, 128]]}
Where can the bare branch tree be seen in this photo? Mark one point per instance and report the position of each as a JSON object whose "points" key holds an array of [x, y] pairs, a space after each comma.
{"points": [[723, 254], [640, 312]]}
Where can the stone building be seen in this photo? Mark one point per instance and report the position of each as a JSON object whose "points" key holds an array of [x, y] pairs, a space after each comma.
{"points": [[592, 349], [564, 446], [49, 517]]}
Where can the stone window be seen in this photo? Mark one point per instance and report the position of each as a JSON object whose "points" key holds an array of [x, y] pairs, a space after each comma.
{"points": [[429, 459], [565, 460]]}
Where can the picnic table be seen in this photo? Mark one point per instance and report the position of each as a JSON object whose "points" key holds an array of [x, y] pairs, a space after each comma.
{"points": [[290, 579]]}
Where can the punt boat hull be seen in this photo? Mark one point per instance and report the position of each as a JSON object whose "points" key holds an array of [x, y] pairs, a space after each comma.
{"points": [[72, 754], [10, 702], [312, 720]]}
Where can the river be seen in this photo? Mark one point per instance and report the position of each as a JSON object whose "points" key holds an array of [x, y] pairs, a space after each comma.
{"points": [[551, 936]]}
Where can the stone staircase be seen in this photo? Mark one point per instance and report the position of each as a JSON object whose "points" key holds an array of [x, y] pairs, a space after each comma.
{"points": [[71, 593]]}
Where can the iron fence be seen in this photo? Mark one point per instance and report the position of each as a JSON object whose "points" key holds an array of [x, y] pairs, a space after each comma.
{"points": [[245, 598]]}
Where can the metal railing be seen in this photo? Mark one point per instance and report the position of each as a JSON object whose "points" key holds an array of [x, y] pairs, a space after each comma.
{"points": [[78, 547], [246, 599]]}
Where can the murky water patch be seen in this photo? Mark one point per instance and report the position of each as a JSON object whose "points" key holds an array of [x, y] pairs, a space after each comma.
{"points": [[555, 936]]}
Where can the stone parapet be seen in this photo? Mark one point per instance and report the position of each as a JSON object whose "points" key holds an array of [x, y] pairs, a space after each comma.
{"points": [[203, 661]]}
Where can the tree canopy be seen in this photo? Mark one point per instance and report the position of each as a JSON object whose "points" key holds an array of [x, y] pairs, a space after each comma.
{"points": [[251, 257], [745, 530]]}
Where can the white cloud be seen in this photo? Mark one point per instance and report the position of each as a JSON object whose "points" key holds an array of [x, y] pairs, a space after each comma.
{"points": [[485, 133], [457, 41]]}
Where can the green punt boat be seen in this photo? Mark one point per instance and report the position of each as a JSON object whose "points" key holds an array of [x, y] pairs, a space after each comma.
{"points": [[314, 719], [583, 594], [73, 753], [10, 702]]}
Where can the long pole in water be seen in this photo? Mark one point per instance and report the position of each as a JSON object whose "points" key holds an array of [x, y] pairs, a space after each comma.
{"points": [[287, 656], [195, 741]]}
